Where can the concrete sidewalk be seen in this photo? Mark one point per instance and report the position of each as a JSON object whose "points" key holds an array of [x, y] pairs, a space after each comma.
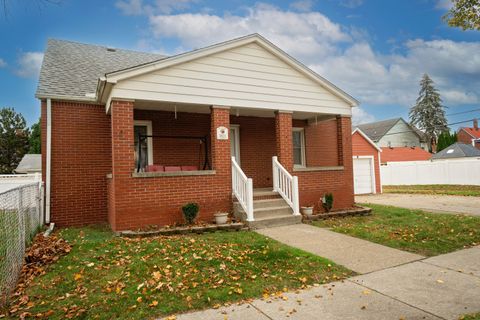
{"points": [[426, 202], [442, 287], [356, 254]]}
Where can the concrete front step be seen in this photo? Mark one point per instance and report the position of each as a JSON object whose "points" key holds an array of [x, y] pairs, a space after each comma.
{"points": [[260, 204], [265, 193], [274, 221]]}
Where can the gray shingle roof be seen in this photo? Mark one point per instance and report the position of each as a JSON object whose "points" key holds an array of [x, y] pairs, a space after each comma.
{"points": [[72, 69], [30, 163], [376, 130], [457, 150]]}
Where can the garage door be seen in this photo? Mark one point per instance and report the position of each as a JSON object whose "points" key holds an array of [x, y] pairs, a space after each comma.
{"points": [[362, 175]]}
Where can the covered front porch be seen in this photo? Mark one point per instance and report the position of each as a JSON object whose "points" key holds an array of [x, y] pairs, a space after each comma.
{"points": [[167, 154]]}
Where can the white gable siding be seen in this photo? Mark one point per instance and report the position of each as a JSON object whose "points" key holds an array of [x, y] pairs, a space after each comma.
{"points": [[400, 135], [246, 76]]}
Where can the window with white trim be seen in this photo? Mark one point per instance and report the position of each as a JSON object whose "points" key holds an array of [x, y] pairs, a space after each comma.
{"points": [[144, 128], [298, 141]]}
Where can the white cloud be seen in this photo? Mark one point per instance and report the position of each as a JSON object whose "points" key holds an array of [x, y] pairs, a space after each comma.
{"points": [[138, 7], [360, 116], [351, 3], [307, 36], [302, 5], [29, 64], [444, 4], [130, 7], [2, 63], [341, 54]]}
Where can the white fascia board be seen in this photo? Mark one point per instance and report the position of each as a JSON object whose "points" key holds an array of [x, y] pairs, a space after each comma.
{"points": [[367, 138], [116, 76]]}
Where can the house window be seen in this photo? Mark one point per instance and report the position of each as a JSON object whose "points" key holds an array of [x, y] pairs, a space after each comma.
{"points": [[143, 151], [298, 139]]}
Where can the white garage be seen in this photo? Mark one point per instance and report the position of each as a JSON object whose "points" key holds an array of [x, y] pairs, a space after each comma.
{"points": [[364, 175]]}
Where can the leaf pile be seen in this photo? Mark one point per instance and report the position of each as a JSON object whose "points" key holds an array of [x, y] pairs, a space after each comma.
{"points": [[43, 252], [108, 277]]}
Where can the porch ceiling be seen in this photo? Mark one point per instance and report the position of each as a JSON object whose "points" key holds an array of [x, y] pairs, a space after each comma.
{"points": [[201, 108]]}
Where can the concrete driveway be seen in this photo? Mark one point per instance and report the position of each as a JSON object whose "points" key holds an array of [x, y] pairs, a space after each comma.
{"points": [[431, 203]]}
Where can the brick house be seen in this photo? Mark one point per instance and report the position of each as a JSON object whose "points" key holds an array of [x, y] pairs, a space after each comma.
{"points": [[470, 135], [130, 137]]}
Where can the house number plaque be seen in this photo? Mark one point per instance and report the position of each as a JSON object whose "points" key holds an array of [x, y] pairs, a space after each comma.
{"points": [[222, 133]]}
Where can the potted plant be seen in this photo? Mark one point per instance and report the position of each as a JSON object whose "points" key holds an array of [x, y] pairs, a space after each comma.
{"points": [[307, 210], [221, 217], [190, 212], [327, 202]]}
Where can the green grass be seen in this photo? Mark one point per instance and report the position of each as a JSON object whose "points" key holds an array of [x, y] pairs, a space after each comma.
{"points": [[475, 316], [108, 277], [410, 230], [455, 190]]}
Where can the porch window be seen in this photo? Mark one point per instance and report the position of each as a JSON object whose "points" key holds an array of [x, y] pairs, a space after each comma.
{"points": [[298, 138], [144, 128]]}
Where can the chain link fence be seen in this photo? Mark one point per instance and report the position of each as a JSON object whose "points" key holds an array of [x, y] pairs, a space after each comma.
{"points": [[21, 217]]}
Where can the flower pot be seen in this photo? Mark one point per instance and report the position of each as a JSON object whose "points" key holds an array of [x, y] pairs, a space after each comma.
{"points": [[221, 218], [307, 211]]}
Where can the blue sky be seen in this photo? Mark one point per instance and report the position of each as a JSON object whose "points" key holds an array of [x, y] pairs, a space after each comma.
{"points": [[376, 50]]}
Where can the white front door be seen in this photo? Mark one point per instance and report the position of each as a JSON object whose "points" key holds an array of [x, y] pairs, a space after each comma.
{"points": [[235, 142], [363, 176]]}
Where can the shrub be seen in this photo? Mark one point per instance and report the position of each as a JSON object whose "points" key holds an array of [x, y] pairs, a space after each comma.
{"points": [[190, 211], [327, 202]]}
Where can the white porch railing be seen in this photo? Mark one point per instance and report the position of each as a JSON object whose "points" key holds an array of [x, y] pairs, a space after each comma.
{"points": [[286, 185], [242, 189]]}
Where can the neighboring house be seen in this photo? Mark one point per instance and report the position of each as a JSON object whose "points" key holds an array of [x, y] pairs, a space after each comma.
{"points": [[394, 133], [30, 163], [470, 135], [404, 154], [458, 151], [130, 137], [366, 164]]}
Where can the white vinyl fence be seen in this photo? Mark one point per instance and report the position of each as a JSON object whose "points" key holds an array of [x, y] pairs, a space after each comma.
{"points": [[466, 172], [21, 217]]}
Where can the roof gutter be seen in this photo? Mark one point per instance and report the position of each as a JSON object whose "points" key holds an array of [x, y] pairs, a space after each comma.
{"points": [[49, 161]]}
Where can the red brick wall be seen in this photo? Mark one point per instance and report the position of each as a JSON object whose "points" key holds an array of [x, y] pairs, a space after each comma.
{"points": [[361, 147], [257, 147], [177, 152], [321, 143], [81, 159], [313, 184], [158, 200]]}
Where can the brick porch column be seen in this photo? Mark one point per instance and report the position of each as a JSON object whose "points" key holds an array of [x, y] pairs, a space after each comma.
{"points": [[283, 135], [123, 158], [344, 140], [220, 149]]}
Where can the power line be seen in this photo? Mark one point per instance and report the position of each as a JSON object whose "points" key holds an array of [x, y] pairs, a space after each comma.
{"points": [[463, 112]]}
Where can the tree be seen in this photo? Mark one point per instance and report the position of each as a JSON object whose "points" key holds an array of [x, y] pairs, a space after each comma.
{"points": [[464, 14], [446, 139], [13, 139], [428, 113], [34, 141]]}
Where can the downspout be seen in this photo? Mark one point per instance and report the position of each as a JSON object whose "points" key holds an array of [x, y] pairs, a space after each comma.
{"points": [[49, 161]]}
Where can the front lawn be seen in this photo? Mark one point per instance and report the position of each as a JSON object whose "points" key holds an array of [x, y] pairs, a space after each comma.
{"points": [[106, 277], [453, 190], [475, 316], [411, 230]]}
